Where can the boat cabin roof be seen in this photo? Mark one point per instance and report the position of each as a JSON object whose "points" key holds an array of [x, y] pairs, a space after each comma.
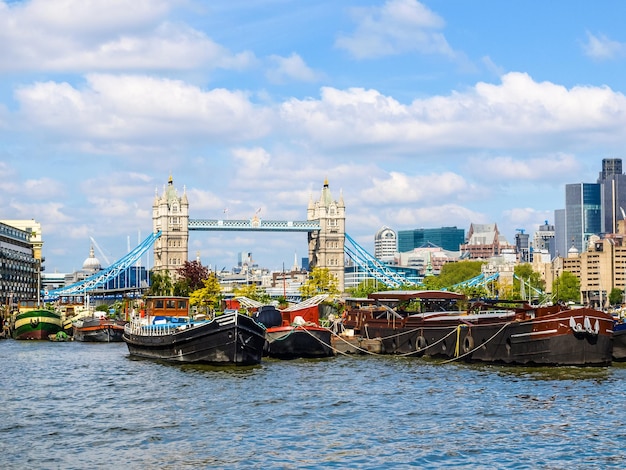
{"points": [[404, 295], [167, 306]]}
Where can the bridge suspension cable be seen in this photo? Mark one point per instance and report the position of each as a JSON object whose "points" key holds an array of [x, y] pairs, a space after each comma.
{"points": [[374, 267], [102, 277], [480, 280]]}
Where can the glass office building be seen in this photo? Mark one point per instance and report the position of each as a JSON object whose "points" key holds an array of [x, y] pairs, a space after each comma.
{"points": [[448, 238], [583, 213], [613, 183]]}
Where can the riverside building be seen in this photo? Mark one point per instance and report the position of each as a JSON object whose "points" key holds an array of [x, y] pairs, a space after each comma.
{"points": [[20, 261]]}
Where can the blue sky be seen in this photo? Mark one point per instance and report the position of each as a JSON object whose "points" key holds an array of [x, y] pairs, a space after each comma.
{"points": [[423, 114]]}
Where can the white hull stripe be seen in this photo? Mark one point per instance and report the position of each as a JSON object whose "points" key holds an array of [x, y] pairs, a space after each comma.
{"points": [[534, 333]]}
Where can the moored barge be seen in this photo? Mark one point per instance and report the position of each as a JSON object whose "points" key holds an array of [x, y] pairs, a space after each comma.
{"points": [[446, 325], [168, 332]]}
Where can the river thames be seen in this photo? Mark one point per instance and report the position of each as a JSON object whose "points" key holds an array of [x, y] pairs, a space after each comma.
{"points": [[79, 405]]}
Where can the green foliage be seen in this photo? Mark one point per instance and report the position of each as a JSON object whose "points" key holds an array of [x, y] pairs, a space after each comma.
{"points": [[432, 283], [102, 308], [473, 292], [160, 283], [191, 276], [616, 296], [532, 280], [209, 296], [453, 273], [566, 288], [367, 287], [252, 291], [320, 281]]}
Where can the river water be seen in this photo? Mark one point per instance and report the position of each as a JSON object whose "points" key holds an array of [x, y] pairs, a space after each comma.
{"points": [[80, 405]]}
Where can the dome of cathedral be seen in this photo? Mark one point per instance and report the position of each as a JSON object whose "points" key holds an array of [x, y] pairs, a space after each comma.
{"points": [[92, 263]]}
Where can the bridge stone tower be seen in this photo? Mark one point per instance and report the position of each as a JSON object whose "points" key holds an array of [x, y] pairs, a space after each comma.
{"points": [[326, 247], [170, 215]]}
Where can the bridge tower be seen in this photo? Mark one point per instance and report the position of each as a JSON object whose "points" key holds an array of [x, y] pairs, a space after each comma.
{"points": [[326, 246], [170, 215]]}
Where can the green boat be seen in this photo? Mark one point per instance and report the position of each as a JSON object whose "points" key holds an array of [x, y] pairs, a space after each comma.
{"points": [[36, 324]]}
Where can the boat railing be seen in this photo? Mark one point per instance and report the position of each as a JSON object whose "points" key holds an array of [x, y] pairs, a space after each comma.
{"points": [[150, 330]]}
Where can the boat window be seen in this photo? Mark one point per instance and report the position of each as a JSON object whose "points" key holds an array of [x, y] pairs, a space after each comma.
{"points": [[182, 304], [158, 304], [171, 304]]}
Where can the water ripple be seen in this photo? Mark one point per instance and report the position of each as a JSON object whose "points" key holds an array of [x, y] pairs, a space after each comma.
{"points": [[75, 405]]}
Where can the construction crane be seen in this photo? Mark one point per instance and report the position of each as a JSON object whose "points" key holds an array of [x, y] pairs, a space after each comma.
{"points": [[104, 257]]}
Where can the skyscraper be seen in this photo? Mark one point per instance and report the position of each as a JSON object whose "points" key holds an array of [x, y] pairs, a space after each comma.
{"points": [[613, 193], [583, 213], [385, 244]]}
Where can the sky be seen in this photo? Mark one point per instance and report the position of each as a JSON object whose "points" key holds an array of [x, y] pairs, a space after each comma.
{"points": [[421, 114]]}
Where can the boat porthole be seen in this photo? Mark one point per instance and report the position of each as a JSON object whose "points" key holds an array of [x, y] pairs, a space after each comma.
{"points": [[468, 344], [421, 343]]}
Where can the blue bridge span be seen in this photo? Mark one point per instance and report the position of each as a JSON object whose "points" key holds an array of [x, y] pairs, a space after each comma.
{"points": [[364, 261]]}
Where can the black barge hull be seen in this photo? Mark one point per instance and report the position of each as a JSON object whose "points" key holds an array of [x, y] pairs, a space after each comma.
{"points": [[229, 339], [298, 342]]}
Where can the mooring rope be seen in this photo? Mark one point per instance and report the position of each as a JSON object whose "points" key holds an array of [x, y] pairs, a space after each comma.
{"points": [[429, 345], [323, 342], [479, 346], [358, 348]]}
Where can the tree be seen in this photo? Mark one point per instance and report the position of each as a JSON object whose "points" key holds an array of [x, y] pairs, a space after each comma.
{"points": [[616, 296], [454, 273], [320, 281], [191, 276], [432, 283], [367, 287], [252, 291], [473, 292], [209, 295], [160, 283], [566, 288], [532, 281]]}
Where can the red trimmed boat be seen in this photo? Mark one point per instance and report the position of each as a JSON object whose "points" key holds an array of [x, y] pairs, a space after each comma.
{"points": [[98, 329], [295, 332], [445, 325]]}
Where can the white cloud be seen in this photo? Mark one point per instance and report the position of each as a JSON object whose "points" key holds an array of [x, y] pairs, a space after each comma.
{"points": [[130, 107], [42, 188], [438, 216], [105, 35], [250, 161], [547, 168], [290, 68], [402, 188], [50, 214], [118, 185], [525, 218], [490, 65], [602, 48], [206, 201], [399, 26], [518, 113]]}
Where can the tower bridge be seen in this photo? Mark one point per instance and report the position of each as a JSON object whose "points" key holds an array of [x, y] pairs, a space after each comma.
{"points": [[325, 228], [255, 224]]}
